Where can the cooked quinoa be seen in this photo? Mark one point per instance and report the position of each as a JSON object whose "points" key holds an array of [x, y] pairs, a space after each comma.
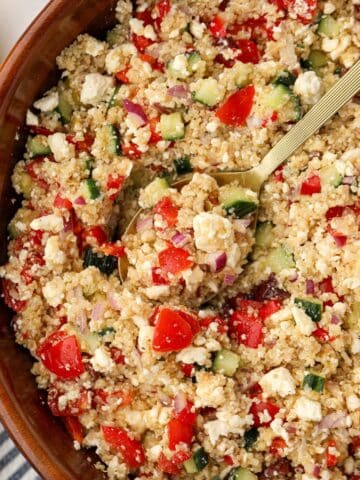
{"points": [[264, 381]]}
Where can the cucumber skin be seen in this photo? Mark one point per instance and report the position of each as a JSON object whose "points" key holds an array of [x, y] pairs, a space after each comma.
{"points": [[93, 189], [183, 165], [38, 146], [223, 359], [106, 264], [311, 307], [240, 208]]}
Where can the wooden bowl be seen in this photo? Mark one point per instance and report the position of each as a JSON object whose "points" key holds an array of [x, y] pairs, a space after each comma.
{"points": [[27, 73]]}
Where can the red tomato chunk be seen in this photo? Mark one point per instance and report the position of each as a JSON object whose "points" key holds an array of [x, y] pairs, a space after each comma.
{"points": [[236, 108], [172, 332], [131, 449]]}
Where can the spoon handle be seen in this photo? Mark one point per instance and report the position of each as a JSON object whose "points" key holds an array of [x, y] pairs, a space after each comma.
{"points": [[320, 113]]}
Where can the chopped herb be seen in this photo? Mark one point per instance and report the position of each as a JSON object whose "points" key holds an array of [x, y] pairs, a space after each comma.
{"points": [[250, 437], [314, 382]]}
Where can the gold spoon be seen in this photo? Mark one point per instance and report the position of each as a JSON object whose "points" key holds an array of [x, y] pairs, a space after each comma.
{"points": [[254, 178]]}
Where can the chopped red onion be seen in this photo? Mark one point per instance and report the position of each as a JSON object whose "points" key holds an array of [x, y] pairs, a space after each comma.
{"points": [[179, 239], [335, 320], [82, 322], [97, 311], [217, 261], [243, 222], [291, 429], [348, 180], [161, 108], [293, 277], [310, 287], [136, 110], [178, 91], [179, 402], [113, 301], [144, 223], [80, 201], [317, 471], [229, 279], [334, 420]]}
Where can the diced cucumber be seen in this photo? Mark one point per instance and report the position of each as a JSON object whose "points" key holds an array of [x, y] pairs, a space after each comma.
{"points": [[177, 67], [314, 382], [154, 192], [92, 341], [250, 438], [22, 219], [278, 97], [285, 78], [172, 126], [26, 184], [106, 331], [298, 112], [242, 73], [352, 321], [106, 264], [239, 473], [111, 136], [38, 146], [226, 362], [330, 176], [65, 107], [92, 189], [113, 100], [237, 201], [183, 165], [317, 59], [311, 306], [197, 462], [328, 26], [264, 235], [280, 259], [208, 92], [194, 59]]}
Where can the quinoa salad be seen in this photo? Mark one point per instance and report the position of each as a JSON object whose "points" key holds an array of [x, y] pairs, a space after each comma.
{"points": [[263, 381]]}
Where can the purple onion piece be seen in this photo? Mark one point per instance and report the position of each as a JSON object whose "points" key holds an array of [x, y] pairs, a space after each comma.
{"points": [[348, 180], [179, 239], [143, 224], [137, 110], [217, 261], [335, 320], [80, 201], [178, 91], [229, 279], [310, 287]]}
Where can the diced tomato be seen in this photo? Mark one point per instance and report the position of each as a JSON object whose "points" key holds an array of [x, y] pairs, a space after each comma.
{"points": [[74, 427], [154, 316], [311, 185], [354, 477], [246, 328], [255, 391], [308, 15], [145, 16], [266, 408], [168, 211], [217, 27], [174, 260], [167, 466], [279, 174], [187, 415], [281, 4], [113, 249], [269, 308], [331, 458], [237, 107], [31, 169], [155, 135], [187, 369], [39, 130], [277, 447], [75, 407], [141, 43], [96, 233], [321, 334], [60, 354], [192, 321], [122, 77], [131, 449], [339, 238], [179, 432], [354, 446], [10, 292], [249, 52], [114, 185], [117, 355], [172, 332], [162, 7], [228, 460], [33, 258], [81, 145], [335, 212], [62, 203], [157, 277], [131, 150], [154, 62], [220, 323], [326, 285]]}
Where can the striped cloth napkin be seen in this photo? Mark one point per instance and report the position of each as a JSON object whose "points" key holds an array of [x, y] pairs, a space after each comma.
{"points": [[13, 465]]}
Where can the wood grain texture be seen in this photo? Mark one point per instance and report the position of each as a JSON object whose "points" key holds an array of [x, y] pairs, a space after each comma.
{"points": [[27, 73]]}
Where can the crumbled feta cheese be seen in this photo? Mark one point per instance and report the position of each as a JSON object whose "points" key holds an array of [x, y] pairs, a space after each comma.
{"points": [[157, 291], [53, 291], [209, 390], [197, 29], [31, 118], [102, 361], [212, 232], [48, 103], [95, 88], [303, 321], [308, 410], [53, 255], [137, 26], [277, 427], [278, 381], [60, 147], [212, 126], [94, 47], [308, 86], [180, 64], [329, 8], [355, 345], [353, 403], [329, 44], [146, 334], [197, 355], [48, 223]]}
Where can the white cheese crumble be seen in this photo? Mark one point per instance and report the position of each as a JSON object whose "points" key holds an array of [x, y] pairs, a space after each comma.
{"points": [[308, 410], [102, 361], [353, 403], [303, 321], [197, 29], [145, 337], [197, 355], [308, 86], [278, 381], [48, 103], [48, 223], [157, 291], [137, 26], [60, 147], [212, 232], [53, 255], [31, 118], [53, 291], [95, 88]]}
